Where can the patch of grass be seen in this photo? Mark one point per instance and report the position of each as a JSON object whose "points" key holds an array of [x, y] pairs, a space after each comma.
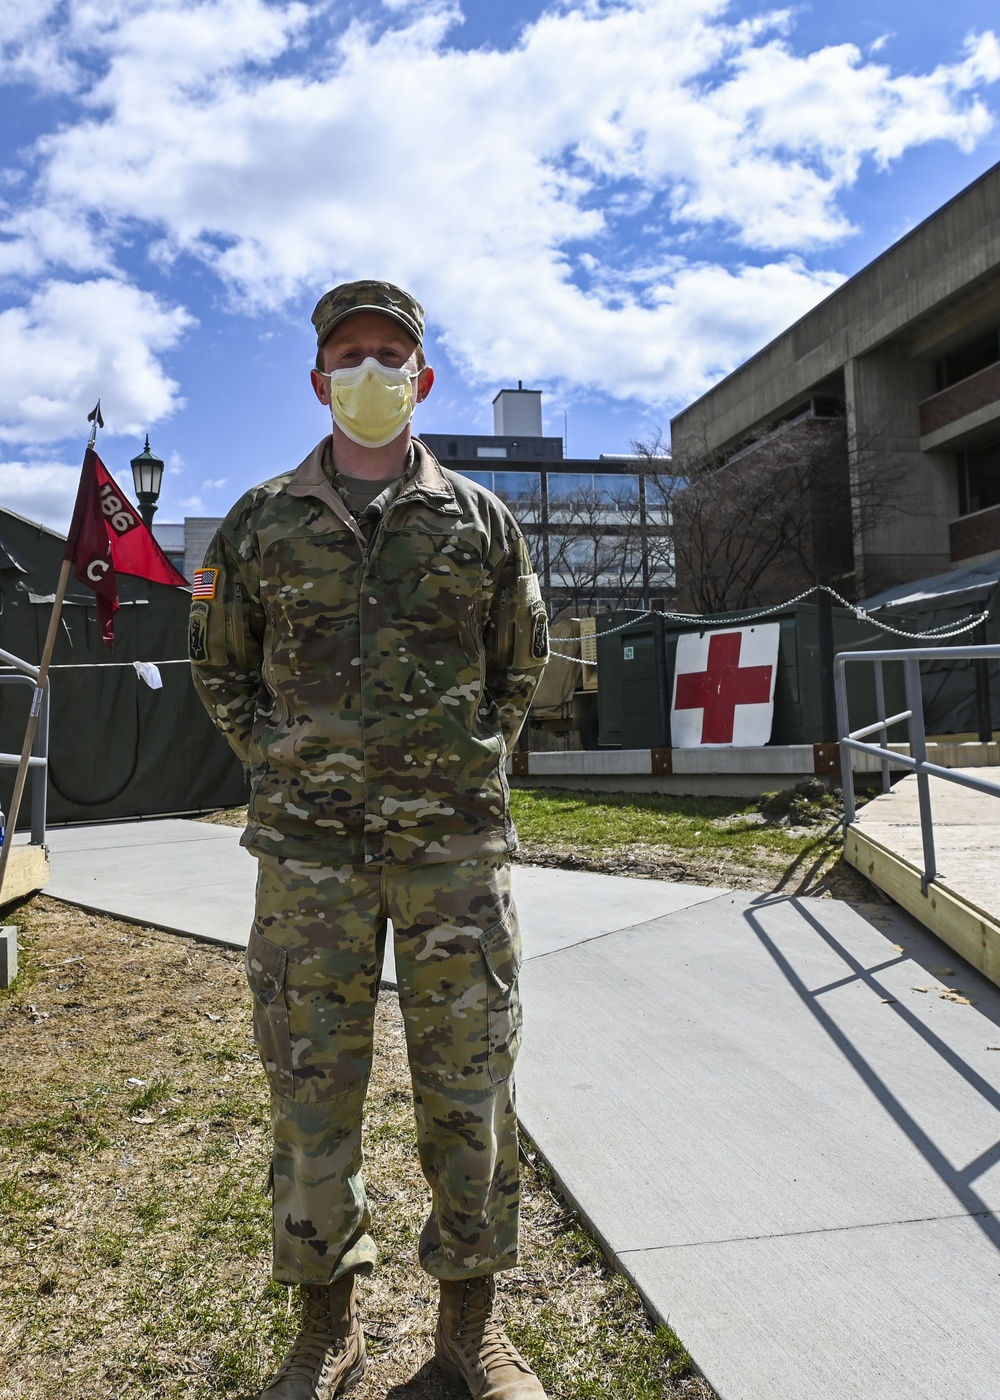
{"points": [[685, 823], [709, 840], [151, 1095]]}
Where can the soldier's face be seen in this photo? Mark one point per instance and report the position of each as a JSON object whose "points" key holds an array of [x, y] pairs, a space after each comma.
{"points": [[369, 335]]}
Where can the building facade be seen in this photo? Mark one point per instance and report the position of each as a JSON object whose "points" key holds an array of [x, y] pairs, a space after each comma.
{"points": [[596, 527], [907, 353]]}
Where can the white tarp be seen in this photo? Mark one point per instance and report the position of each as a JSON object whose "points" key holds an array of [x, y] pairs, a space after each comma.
{"points": [[724, 687]]}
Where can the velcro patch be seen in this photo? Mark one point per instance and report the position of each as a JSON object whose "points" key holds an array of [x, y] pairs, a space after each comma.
{"points": [[529, 593], [204, 583]]}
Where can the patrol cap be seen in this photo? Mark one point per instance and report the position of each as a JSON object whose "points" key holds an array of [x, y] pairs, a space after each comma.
{"points": [[349, 297]]}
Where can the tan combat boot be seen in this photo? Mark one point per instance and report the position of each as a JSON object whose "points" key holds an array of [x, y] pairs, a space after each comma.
{"points": [[471, 1346], [328, 1355]]}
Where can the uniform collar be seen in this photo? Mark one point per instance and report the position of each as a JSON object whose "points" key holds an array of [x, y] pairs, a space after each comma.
{"points": [[423, 480]]}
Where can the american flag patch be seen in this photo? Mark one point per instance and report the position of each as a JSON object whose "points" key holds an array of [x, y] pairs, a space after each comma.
{"points": [[204, 583]]}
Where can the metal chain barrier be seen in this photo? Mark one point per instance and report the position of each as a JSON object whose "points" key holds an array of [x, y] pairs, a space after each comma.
{"points": [[939, 633]]}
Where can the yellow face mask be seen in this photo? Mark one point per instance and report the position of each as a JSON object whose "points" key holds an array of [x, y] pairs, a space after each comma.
{"points": [[372, 403]]}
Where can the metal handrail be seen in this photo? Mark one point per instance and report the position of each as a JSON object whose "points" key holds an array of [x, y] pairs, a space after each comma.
{"points": [[916, 761], [25, 667], [38, 763]]}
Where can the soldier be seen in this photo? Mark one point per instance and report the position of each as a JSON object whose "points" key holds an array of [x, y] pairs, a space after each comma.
{"points": [[367, 633]]}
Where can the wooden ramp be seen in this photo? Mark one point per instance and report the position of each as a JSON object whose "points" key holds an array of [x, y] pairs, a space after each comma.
{"points": [[27, 871], [962, 906]]}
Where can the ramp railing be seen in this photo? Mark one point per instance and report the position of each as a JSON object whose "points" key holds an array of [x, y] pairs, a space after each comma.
{"points": [[26, 674], [857, 740]]}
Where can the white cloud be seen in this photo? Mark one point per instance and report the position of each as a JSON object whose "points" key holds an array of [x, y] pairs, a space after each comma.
{"points": [[76, 342], [43, 491], [31, 49], [284, 153]]}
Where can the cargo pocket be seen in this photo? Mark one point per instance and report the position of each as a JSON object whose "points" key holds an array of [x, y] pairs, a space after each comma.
{"points": [[501, 945], [265, 966]]}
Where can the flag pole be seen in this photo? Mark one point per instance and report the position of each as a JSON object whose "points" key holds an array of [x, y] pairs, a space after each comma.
{"points": [[41, 680]]}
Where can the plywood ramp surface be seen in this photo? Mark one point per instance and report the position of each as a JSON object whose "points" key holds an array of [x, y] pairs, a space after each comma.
{"points": [[962, 906]]}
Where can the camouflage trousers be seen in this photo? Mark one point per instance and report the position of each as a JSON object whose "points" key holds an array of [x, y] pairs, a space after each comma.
{"points": [[313, 964]]}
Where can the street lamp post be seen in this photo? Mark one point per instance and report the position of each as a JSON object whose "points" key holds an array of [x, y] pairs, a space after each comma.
{"points": [[147, 474]]}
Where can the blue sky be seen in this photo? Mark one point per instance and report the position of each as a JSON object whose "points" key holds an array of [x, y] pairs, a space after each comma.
{"points": [[615, 201]]}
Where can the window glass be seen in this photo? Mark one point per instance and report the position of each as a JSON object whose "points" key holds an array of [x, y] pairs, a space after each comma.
{"points": [[568, 486], [982, 479], [517, 486], [616, 489], [968, 360], [483, 478], [579, 553]]}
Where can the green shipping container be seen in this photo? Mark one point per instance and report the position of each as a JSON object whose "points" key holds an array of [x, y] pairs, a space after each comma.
{"points": [[631, 715]]}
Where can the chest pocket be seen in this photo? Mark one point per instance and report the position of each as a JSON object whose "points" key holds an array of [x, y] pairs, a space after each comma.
{"points": [[310, 581], [426, 552]]}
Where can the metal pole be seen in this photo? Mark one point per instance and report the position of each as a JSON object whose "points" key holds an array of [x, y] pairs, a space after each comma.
{"points": [[34, 715], [41, 680], [880, 714], [663, 696], [984, 715], [918, 751], [827, 698], [843, 726], [40, 776]]}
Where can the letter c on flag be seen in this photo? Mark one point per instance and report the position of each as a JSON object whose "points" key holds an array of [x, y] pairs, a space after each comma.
{"points": [[96, 570]]}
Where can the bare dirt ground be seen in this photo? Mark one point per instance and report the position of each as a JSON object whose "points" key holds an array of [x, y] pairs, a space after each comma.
{"points": [[134, 1254]]}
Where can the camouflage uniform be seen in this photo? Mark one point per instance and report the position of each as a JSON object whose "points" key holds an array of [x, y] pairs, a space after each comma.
{"points": [[374, 687]]}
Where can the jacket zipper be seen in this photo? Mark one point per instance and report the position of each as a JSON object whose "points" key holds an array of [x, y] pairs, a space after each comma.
{"points": [[239, 638]]}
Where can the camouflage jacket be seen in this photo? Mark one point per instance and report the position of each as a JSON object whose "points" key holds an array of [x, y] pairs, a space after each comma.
{"points": [[373, 688]]}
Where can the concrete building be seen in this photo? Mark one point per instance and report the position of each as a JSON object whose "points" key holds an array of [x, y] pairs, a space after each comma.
{"points": [[908, 350], [595, 527], [185, 545]]}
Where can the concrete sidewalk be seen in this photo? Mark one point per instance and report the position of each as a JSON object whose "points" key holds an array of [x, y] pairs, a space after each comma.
{"points": [[764, 1108]]}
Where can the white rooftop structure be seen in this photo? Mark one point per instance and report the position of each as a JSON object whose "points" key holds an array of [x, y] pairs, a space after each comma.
{"points": [[518, 412]]}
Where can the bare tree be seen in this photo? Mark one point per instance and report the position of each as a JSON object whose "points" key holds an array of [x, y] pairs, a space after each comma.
{"points": [[769, 519]]}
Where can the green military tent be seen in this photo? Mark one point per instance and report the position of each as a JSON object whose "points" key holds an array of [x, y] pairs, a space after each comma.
{"points": [[117, 747]]}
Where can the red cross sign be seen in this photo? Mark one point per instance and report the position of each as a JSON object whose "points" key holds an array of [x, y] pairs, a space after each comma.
{"points": [[724, 687]]}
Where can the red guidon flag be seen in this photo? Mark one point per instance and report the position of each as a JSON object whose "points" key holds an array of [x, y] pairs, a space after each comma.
{"points": [[109, 537]]}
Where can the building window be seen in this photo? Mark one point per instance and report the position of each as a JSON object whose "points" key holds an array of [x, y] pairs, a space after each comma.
{"points": [[491, 452], [517, 486], [616, 490], [979, 479], [481, 479], [969, 360]]}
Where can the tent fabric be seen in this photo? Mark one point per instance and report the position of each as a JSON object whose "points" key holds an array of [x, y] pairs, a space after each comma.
{"points": [[117, 749], [948, 687], [958, 586], [553, 699]]}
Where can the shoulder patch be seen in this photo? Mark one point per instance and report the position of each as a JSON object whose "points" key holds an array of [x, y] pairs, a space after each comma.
{"points": [[204, 583], [198, 632]]}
